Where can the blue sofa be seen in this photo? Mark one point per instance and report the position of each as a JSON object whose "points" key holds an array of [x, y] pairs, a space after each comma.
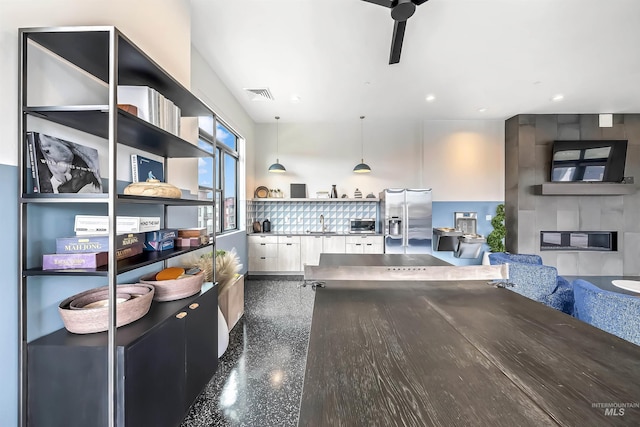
{"points": [[613, 312], [534, 280]]}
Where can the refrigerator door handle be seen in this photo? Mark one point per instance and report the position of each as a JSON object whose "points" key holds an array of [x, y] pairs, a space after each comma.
{"points": [[405, 226]]}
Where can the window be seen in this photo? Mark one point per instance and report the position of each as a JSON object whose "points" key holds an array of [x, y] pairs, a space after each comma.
{"points": [[225, 182]]}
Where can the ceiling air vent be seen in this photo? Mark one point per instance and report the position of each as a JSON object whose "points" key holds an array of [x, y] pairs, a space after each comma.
{"points": [[260, 94]]}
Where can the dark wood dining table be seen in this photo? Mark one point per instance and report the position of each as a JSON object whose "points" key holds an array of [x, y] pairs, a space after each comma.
{"points": [[458, 353]]}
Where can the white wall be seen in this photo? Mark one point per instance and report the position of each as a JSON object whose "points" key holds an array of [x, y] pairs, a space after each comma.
{"points": [[460, 160], [161, 29]]}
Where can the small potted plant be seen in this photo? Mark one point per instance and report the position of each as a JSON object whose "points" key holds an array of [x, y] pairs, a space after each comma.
{"points": [[495, 239]]}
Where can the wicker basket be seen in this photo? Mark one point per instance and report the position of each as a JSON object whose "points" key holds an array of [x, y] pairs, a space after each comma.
{"points": [[89, 320], [170, 290]]}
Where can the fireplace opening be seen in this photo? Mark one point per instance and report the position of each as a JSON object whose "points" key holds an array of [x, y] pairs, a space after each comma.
{"points": [[578, 240]]}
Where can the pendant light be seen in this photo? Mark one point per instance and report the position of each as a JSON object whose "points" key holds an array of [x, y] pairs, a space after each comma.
{"points": [[362, 167], [277, 167]]}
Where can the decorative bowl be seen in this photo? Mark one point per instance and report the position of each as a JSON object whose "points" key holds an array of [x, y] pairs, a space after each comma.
{"points": [[97, 299], [170, 290], [90, 320], [153, 188]]}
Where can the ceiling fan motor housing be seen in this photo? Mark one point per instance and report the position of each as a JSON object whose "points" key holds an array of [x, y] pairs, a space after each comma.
{"points": [[403, 10]]}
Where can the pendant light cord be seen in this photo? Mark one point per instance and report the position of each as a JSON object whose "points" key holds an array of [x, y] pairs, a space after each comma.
{"points": [[361, 139], [277, 139]]}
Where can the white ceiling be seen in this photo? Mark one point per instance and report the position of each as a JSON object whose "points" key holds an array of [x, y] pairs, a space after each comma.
{"points": [[508, 56]]}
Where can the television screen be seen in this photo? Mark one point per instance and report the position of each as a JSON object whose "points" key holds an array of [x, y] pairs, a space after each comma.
{"points": [[581, 161]]}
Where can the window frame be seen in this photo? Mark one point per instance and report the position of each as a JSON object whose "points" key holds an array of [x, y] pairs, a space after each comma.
{"points": [[218, 190]]}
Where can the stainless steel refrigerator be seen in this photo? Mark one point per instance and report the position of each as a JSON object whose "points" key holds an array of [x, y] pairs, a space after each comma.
{"points": [[406, 216]]}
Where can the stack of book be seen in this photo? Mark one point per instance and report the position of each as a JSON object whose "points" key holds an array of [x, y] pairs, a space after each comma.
{"points": [[91, 251], [190, 237], [152, 106], [160, 240]]}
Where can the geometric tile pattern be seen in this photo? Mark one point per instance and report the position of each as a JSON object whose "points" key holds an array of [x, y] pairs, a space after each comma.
{"points": [[299, 217]]}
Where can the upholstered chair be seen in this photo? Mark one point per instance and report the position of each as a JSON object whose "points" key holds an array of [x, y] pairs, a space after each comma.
{"points": [[613, 312], [506, 257], [529, 277]]}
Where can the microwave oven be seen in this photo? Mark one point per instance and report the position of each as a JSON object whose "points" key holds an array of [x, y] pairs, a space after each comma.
{"points": [[362, 225]]}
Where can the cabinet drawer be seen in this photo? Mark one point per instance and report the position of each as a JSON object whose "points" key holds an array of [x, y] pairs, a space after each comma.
{"points": [[364, 239], [268, 250], [289, 239], [263, 264], [254, 239]]}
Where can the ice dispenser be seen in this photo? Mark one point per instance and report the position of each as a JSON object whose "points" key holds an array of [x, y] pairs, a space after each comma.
{"points": [[395, 226]]}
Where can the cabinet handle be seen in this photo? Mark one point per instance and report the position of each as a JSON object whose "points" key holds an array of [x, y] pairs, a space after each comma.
{"points": [[289, 244], [194, 306], [358, 244], [262, 257], [181, 315], [263, 244]]}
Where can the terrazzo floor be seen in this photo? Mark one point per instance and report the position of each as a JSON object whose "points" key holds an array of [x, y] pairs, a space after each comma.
{"points": [[260, 376]]}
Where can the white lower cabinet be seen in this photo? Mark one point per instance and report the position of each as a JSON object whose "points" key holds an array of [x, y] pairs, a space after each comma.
{"points": [[263, 253], [333, 244], [289, 253], [310, 250], [364, 244]]}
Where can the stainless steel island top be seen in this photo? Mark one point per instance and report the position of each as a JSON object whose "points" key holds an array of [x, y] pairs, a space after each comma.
{"points": [[386, 260], [446, 353]]}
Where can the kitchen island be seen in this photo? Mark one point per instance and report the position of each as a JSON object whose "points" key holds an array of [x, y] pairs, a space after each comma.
{"points": [[441, 353]]}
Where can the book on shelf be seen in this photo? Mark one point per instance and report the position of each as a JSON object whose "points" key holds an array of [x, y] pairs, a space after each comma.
{"points": [[152, 106], [129, 251], [96, 243], [192, 232], [158, 245], [164, 234], [64, 261], [86, 225], [60, 166], [143, 168], [187, 242], [81, 260]]}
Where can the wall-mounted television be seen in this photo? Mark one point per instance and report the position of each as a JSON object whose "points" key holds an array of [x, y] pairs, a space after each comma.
{"points": [[580, 161]]}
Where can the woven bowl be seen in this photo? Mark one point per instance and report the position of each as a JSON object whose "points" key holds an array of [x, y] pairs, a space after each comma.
{"points": [[170, 290], [97, 299], [90, 320]]}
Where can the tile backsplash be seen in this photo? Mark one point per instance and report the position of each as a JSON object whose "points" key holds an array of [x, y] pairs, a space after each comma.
{"points": [[299, 217]]}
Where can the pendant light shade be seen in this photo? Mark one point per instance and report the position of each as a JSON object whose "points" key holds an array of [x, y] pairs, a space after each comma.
{"points": [[277, 167], [362, 167]]}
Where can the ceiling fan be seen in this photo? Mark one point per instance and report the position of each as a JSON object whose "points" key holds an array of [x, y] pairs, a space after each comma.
{"points": [[401, 10]]}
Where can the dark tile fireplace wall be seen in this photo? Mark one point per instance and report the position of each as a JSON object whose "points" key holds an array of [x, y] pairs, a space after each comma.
{"points": [[528, 142]]}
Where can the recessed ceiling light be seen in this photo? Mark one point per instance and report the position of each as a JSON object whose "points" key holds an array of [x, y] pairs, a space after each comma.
{"points": [[558, 97], [482, 110], [430, 98], [295, 99]]}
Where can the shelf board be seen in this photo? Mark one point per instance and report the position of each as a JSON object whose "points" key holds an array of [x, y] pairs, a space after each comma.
{"points": [[586, 188], [124, 265], [132, 131], [104, 198], [88, 48], [282, 199]]}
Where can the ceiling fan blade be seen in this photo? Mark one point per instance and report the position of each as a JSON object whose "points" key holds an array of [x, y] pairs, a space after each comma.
{"points": [[385, 3], [396, 41], [418, 2]]}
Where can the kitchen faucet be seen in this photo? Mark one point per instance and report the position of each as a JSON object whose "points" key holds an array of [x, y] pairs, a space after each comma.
{"points": [[322, 223]]}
